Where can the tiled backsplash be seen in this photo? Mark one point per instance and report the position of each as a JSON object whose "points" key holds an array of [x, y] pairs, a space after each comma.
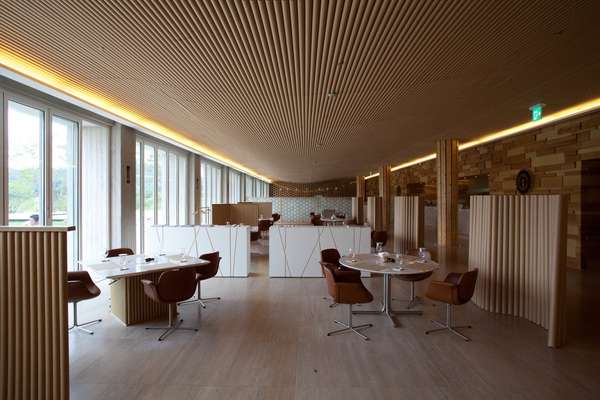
{"points": [[298, 209]]}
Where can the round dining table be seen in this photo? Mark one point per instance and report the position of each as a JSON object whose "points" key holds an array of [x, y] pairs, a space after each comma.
{"points": [[389, 264]]}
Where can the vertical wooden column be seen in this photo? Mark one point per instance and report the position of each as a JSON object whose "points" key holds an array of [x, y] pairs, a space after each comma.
{"points": [[358, 205], [194, 176], [447, 197], [384, 193], [123, 214]]}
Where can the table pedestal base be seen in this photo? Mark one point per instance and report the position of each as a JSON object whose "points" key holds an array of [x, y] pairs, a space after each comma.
{"points": [[387, 302]]}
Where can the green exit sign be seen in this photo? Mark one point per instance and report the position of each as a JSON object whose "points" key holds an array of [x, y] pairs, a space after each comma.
{"points": [[536, 111]]}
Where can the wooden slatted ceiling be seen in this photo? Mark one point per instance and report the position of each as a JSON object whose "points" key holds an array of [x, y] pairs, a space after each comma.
{"points": [[250, 79]]}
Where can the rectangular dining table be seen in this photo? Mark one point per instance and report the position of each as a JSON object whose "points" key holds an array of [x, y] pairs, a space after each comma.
{"points": [[128, 301]]}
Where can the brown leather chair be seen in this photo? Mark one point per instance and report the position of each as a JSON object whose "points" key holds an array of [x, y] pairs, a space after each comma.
{"points": [[205, 272], [173, 286], [344, 289], [117, 251], [332, 256], [81, 287], [276, 217], [316, 220], [456, 289], [378, 236], [414, 299], [264, 225]]}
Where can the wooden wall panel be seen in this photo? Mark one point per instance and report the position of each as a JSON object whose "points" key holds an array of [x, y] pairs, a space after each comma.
{"points": [[518, 244], [221, 214], [408, 223], [34, 362], [265, 209]]}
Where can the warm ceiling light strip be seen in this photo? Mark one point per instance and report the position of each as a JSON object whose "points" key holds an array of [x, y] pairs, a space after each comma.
{"points": [[376, 174], [551, 118], [21, 66], [555, 117]]}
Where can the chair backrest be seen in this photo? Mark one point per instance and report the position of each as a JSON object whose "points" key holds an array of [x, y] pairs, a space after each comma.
{"points": [[466, 285], [117, 251], [316, 220], [208, 271], [276, 217], [176, 285], [264, 225], [378, 236], [328, 213], [331, 256]]}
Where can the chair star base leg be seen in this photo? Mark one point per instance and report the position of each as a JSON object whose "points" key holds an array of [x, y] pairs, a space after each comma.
{"points": [[170, 329], [348, 329], [452, 329], [80, 327]]}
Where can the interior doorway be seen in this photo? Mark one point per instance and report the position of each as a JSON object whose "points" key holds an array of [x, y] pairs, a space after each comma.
{"points": [[590, 214]]}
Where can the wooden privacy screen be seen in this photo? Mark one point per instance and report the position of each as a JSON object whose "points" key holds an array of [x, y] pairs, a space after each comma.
{"points": [[373, 216], [33, 306], [518, 244], [358, 210], [408, 223], [241, 213]]}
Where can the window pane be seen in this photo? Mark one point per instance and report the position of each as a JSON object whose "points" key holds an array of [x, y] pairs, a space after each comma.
{"points": [[25, 130], [95, 190], [172, 189], [183, 190], [138, 196], [234, 187], [64, 171], [161, 189], [149, 171]]}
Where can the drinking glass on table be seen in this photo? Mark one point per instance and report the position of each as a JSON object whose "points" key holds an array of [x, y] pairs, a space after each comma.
{"points": [[379, 247], [352, 254], [183, 257], [123, 261]]}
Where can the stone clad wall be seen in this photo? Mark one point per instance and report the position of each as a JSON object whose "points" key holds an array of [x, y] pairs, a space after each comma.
{"points": [[345, 187], [553, 155]]}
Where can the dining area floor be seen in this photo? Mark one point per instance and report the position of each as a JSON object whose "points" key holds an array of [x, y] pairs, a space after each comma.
{"points": [[266, 339]]}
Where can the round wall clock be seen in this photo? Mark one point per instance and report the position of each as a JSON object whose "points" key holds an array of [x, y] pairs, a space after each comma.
{"points": [[524, 181]]}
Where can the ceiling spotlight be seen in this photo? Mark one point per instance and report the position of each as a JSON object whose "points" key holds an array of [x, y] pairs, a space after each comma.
{"points": [[332, 94]]}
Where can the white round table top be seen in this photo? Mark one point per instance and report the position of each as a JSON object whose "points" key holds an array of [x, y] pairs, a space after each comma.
{"points": [[376, 263]]}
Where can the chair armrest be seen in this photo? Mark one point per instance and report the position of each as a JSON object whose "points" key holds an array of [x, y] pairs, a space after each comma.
{"points": [[443, 291], [150, 290], [85, 279]]}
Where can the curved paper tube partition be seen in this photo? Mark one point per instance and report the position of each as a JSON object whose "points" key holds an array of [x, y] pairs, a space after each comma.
{"points": [[518, 244], [408, 223]]}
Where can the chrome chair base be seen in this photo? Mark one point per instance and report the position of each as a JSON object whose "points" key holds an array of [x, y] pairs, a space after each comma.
{"points": [[349, 327], [202, 301], [80, 327], [452, 329], [170, 329], [449, 325]]}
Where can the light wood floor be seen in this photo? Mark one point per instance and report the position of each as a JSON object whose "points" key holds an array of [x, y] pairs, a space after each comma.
{"points": [[266, 340]]}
